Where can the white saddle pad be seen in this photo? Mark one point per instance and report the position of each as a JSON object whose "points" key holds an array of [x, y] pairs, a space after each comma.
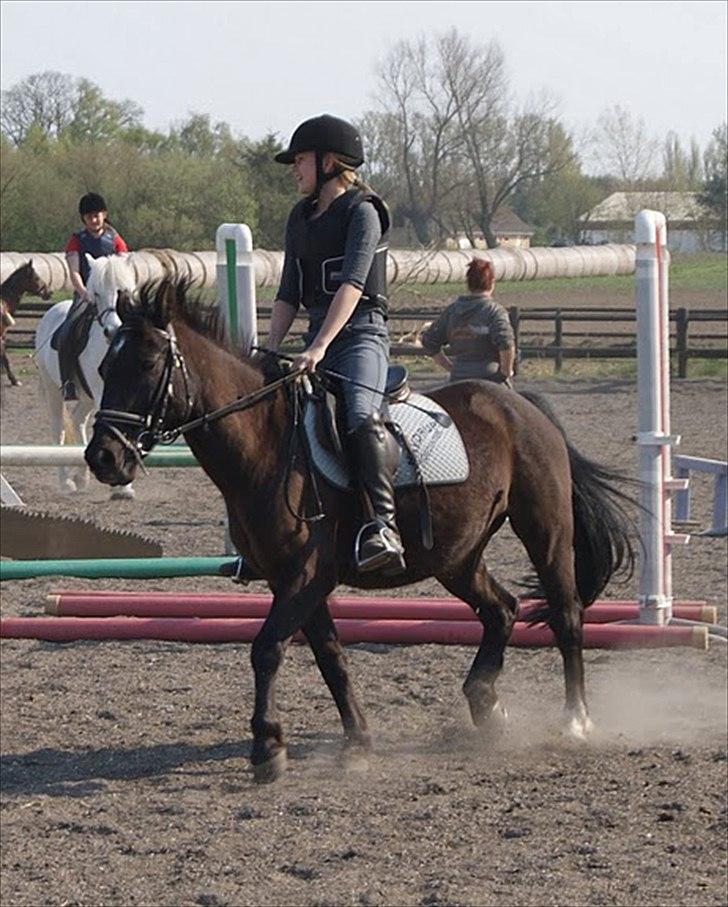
{"points": [[439, 450]]}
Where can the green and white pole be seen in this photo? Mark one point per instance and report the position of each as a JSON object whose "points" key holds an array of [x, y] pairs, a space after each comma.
{"points": [[236, 284], [236, 297]]}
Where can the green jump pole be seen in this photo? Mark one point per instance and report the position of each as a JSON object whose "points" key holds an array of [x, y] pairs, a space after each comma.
{"points": [[128, 568]]}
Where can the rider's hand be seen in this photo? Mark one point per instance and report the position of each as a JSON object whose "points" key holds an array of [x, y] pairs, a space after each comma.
{"points": [[308, 359]]}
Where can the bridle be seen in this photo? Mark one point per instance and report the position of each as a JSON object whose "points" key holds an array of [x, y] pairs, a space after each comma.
{"points": [[101, 316], [151, 425], [152, 430]]}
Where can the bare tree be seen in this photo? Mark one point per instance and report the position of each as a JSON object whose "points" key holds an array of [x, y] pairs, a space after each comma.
{"points": [[681, 170], [624, 147], [51, 104], [43, 100], [463, 147], [418, 127]]}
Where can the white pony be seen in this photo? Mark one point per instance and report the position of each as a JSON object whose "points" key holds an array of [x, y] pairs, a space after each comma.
{"points": [[107, 277]]}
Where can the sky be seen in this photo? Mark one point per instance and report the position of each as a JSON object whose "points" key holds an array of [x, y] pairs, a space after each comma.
{"points": [[265, 66]]}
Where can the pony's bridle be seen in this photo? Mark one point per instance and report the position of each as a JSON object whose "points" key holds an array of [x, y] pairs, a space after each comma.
{"points": [[101, 317], [151, 426]]}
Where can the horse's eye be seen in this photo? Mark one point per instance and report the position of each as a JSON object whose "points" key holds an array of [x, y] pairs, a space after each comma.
{"points": [[148, 364]]}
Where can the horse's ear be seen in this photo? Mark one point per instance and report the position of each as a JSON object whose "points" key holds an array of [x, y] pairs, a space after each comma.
{"points": [[30, 263], [162, 309], [90, 260]]}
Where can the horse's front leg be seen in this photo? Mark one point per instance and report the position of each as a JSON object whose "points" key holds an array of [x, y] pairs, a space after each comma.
{"points": [[322, 637], [292, 607], [80, 417]]}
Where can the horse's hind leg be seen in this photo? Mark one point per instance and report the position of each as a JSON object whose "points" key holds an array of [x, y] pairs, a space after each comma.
{"points": [[496, 610], [550, 547], [329, 654]]}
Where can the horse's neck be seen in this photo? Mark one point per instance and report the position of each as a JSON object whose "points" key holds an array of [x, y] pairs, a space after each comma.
{"points": [[11, 292], [219, 379]]}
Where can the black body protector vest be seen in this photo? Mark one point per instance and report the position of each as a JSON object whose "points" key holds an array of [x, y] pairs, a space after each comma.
{"points": [[96, 246], [319, 245]]}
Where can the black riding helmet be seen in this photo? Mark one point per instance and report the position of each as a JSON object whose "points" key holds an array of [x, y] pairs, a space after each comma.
{"points": [[91, 203], [322, 134]]}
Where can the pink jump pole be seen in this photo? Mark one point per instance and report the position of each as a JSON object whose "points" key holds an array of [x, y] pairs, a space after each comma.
{"points": [[139, 604], [392, 632]]}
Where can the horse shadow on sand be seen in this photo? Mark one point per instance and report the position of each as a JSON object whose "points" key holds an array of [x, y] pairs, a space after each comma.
{"points": [[73, 773]]}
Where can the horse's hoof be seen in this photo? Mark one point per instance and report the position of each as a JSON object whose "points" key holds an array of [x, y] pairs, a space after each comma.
{"points": [[270, 770], [124, 493], [68, 487], [355, 759], [578, 728], [493, 721]]}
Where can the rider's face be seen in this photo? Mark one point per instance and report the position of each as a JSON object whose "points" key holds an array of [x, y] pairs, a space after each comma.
{"points": [[94, 222], [304, 172]]}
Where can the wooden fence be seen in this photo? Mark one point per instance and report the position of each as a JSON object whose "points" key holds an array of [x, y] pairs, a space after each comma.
{"points": [[544, 333]]}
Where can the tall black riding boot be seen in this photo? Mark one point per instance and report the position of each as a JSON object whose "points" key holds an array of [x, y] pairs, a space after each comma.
{"points": [[66, 363], [378, 545], [66, 366]]}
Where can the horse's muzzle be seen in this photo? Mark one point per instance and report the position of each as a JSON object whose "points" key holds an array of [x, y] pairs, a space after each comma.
{"points": [[108, 460]]}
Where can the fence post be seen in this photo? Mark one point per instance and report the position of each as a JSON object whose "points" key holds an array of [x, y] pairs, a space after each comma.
{"points": [[558, 340], [515, 317], [681, 341]]}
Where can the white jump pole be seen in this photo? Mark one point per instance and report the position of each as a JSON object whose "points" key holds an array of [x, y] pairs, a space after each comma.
{"points": [[236, 283], [653, 437]]}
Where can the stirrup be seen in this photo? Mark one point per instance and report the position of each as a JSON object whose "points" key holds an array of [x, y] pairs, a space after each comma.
{"points": [[390, 555], [68, 391]]}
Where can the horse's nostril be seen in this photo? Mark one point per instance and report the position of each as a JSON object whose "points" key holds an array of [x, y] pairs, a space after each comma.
{"points": [[104, 458]]}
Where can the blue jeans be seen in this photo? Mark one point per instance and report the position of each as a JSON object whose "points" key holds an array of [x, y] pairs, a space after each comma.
{"points": [[361, 352]]}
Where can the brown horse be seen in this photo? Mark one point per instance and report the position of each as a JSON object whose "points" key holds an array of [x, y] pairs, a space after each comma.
{"points": [[23, 280], [168, 369]]}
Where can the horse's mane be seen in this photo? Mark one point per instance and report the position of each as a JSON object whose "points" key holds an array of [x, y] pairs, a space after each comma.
{"points": [[163, 301], [113, 272]]}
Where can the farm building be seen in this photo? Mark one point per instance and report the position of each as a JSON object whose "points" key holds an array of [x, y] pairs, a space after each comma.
{"points": [[690, 226]]}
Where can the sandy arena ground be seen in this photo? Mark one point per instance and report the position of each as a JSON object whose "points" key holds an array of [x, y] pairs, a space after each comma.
{"points": [[125, 774]]}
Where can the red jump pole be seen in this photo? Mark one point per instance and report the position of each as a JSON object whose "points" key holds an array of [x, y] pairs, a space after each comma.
{"points": [[393, 632], [139, 604]]}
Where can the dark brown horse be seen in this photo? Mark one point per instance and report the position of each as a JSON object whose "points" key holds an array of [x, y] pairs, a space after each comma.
{"points": [[23, 280], [168, 366]]}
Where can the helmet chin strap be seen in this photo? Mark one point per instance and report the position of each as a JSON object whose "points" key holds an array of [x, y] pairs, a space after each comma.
{"points": [[321, 177]]}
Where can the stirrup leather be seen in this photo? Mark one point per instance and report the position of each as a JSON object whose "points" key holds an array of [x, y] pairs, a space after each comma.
{"points": [[390, 550]]}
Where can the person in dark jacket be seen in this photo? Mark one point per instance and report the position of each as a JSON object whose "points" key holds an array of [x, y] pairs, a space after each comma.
{"points": [[335, 267], [98, 239], [476, 331]]}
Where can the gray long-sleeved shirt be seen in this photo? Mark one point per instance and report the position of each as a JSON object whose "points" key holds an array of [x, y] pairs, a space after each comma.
{"points": [[474, 329]]}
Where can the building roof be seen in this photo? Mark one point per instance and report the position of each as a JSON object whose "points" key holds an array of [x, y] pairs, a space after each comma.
{"points": [[507, 223], [622, 207]]}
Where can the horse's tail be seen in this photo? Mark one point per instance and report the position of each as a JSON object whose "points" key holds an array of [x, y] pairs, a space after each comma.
{"points": [[603, 524]]}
